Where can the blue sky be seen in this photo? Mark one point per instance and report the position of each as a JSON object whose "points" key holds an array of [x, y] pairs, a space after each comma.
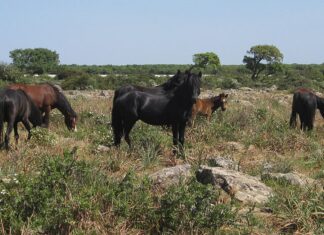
{"points": [[162, 32]]}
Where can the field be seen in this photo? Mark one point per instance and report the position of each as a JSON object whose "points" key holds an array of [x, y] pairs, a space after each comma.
{"points": [[61, 182]]}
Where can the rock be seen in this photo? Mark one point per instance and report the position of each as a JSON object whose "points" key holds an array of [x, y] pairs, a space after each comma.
{"points": [[267, 168], [245, 89], [102, 148], [272, 88], [291, 177], [171, 175], [223, 162], [243, 187]]}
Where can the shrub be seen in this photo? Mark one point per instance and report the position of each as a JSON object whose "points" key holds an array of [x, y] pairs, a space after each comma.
{"points": [[50, 202], [193, 206], [10, 73]]}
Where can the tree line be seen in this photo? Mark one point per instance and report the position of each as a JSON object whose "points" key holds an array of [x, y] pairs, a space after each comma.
{"points": [[42, 60], [262, 66]]}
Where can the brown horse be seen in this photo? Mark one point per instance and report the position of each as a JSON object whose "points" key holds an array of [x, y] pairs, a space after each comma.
{"points": [[208, 106], [48, 97]]}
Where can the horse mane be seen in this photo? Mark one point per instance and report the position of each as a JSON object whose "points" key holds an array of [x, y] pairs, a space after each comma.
{"points": [[174, 82], [195, 80], [62, 101]]}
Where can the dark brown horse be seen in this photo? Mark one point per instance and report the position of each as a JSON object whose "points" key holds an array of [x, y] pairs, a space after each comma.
{"points": [[16, 106], [208, 106], [305, 103], [48, 97]]}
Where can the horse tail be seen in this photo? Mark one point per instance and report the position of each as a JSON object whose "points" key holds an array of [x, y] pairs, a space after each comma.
{"points": [[117, 125], [293, 116]]}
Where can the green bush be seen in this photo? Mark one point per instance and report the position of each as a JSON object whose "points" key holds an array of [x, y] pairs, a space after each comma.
{"points": [[50, 202], [193, 207], [10, 73]]}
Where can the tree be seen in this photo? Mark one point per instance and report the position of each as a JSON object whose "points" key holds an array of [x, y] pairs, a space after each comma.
{"points": [[38, 60], [202, 60], [268, 53]]}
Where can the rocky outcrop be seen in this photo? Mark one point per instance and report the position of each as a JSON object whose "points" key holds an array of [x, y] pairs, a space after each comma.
{"points": [[171, 175], [243, 187], [292, 178], [226, 163]]}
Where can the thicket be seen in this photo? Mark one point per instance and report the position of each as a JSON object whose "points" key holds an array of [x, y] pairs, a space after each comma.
{"points": [[65, 191], [227, 76]]}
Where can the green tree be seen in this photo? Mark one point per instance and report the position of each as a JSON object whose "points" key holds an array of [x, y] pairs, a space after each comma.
{"points": [[268, 53], [38, 60], [202, 60]]}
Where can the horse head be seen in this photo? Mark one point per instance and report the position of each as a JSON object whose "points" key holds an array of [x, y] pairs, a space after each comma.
{"points": [[221, 101], [193, 85], [70, 121]]}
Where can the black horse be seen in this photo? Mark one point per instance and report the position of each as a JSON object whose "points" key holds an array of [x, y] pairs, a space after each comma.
{"points": [[16, 106], [172, 83], [172, 108], [305, 103]]}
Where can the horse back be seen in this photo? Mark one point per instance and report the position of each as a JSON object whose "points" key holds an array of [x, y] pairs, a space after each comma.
{"points": [[41, 94], [203, 105], [304, 100], [15, 105]]}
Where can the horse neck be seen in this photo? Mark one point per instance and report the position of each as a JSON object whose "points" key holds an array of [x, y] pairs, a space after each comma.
{"points": [[320, 105], [217, 102], [63, 105]]}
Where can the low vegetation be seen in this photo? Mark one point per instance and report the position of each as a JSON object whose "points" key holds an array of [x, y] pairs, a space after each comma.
{"points": [[59, 182]]}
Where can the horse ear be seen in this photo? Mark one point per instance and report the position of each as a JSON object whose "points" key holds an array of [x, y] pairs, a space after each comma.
{"points": [[178, 72], [200, 74], [226, 95]]}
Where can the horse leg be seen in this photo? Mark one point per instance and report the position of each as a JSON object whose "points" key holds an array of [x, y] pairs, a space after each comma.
{"points": [[117, 126], [127, 128], [310, 121], [209, 114], [175, 133], [47, 111], [192, 119], [182, 127], [9, 130], [16, 132], [293, 117], [302, 121], [27, 126]]}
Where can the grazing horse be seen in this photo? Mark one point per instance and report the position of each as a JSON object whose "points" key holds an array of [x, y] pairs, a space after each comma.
{"points": [[16, 106], [48, 97], [208, 106], [169, 108], [172, 83], [305, 103]]}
